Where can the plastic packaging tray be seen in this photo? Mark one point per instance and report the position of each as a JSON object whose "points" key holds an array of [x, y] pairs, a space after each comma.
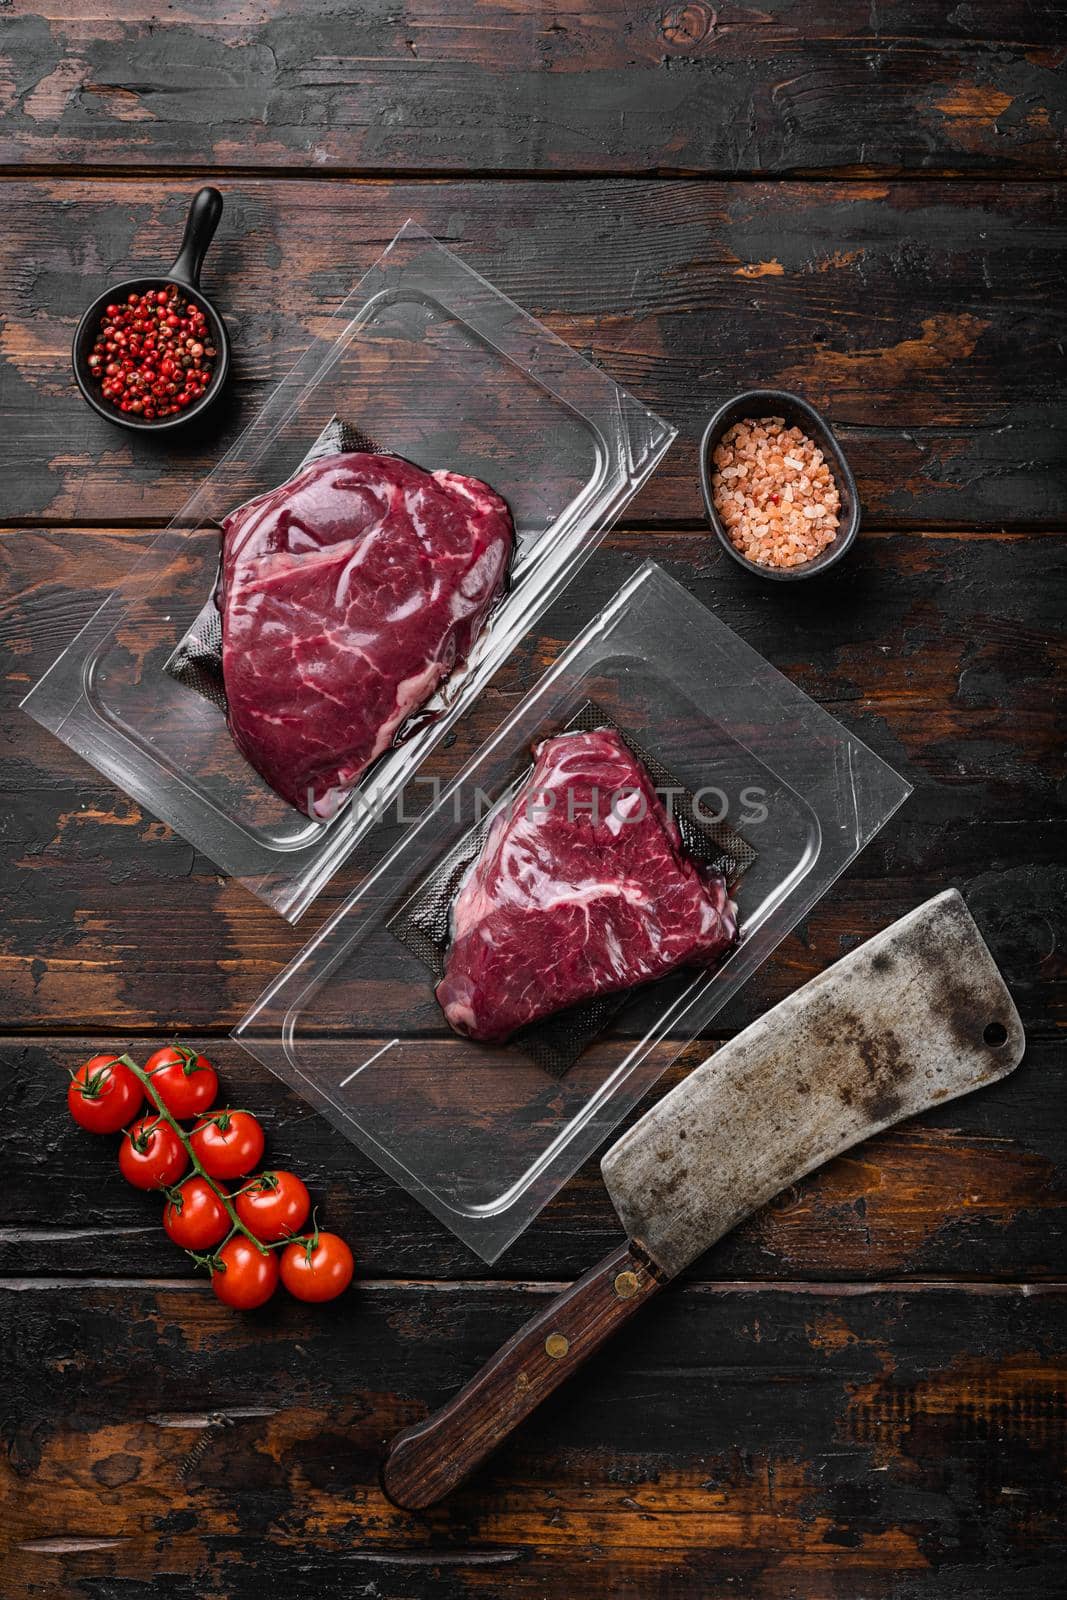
{"points": [[482, 1134], [428, 360]]}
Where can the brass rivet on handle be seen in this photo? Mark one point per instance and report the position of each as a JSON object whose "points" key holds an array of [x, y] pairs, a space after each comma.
{"points": [[556, 1346], [626, 1285]]}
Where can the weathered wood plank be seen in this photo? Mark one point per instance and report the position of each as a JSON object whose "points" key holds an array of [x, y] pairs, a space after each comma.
{"points": [[978, 1188], [776, 1433], [945, 654], [925, 318], [488, 86], [914, 1447]]}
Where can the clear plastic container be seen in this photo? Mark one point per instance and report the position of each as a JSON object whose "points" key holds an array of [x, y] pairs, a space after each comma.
{"points": [[428, 360], [480, 1133]]}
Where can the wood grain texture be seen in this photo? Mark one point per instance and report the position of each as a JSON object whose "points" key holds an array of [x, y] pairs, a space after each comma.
{"points": [[976, 1189], [762, 1431], [924, 318], [901, 1441], [490, 86]]}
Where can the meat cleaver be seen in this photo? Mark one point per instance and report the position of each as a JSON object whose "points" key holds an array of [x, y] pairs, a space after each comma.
{"points": [[917, 1015]]}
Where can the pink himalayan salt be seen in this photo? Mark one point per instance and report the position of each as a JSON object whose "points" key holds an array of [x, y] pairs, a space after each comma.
{"points": [[774, 493]]}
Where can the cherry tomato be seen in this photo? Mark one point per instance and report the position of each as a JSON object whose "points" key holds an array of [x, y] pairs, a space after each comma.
{"points": [[247, 1277], [276, 1205], [198, 1218], [317, 1271], [229, 1144], [151, 1155], [104, 1094], [186, 1083]]}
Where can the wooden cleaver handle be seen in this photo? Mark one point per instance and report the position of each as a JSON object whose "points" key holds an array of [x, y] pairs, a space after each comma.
{"points": [[428, 1460]]}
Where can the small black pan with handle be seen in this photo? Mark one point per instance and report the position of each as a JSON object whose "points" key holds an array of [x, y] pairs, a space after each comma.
{"points": [[204, 215]]}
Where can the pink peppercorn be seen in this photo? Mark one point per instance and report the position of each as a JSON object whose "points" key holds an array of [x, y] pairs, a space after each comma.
{"points": [[148, 339]]}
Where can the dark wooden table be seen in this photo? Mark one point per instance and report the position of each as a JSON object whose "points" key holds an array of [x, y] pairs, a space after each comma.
{"points": [[860, 1394]]}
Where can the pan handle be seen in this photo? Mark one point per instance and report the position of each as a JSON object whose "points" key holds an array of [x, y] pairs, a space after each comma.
{"points": [[203, 219], [428, 1460]]}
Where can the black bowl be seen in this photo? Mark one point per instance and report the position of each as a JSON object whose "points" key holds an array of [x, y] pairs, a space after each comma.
{"points": [[204, 214], [756, 403]]}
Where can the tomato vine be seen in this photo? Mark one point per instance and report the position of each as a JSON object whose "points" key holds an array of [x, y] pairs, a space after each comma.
{"points": [[158, 1153]]}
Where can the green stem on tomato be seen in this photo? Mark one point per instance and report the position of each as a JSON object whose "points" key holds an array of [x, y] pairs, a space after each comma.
{"points": [[237, 1226]]}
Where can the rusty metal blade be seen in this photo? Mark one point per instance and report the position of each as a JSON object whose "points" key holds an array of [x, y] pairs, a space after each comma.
{"points": [[917, 1015]]}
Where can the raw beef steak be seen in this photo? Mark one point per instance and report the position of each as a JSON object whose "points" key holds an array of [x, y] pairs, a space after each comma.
{"points": [[582, 888], [347, 595]]}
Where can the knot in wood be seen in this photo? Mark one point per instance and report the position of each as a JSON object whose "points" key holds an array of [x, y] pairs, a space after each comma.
{"points": [[685, 26]]}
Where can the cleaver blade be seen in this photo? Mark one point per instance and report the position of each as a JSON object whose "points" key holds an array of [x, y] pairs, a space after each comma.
{"points": [[916, 1016]]}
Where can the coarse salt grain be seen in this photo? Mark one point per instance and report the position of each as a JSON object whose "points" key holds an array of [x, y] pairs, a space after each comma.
{"points": [[771, 515]]}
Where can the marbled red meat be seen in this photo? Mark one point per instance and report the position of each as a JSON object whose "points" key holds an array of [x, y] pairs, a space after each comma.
{"points": [[347, 596], [583, 888]]}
